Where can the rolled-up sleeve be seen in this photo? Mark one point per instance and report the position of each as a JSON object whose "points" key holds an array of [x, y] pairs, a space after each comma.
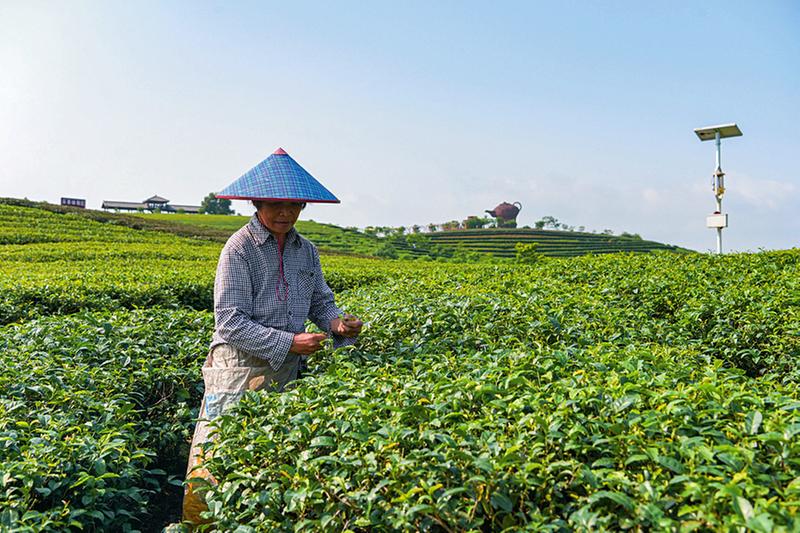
{"points": [[323, 307], [233, 312]]}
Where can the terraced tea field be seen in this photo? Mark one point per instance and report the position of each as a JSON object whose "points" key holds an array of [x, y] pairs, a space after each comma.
{"points": [[602, 392], [500, 243]]}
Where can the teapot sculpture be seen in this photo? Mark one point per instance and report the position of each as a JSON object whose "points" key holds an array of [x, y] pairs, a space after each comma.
{"points": [[506, 211]]}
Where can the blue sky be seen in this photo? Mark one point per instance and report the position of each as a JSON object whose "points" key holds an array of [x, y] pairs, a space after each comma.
{"points": [[416, 112]]}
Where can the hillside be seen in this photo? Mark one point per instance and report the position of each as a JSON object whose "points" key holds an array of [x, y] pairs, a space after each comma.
{"points": [[97, 260], [502, 242], [498, 242], [116, 219], [327, 237], [331, 239], [54, 223]]}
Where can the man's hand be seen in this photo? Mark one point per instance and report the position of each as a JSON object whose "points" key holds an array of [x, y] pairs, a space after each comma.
{"points": [[347, 326], [307, 343]]}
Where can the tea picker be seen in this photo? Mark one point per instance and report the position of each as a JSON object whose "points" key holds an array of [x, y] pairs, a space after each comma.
{"points": [[269, 282]]}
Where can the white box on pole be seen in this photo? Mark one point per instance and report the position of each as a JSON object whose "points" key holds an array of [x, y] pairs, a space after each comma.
{"points": [[717, 220]]}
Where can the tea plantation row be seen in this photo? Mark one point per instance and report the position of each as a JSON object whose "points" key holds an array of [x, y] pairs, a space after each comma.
{"points": [[602, 393], [651, 392], [548, 439]]}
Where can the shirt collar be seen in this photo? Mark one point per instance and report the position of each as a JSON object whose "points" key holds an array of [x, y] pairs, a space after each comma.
{"points": [[263, 235]]}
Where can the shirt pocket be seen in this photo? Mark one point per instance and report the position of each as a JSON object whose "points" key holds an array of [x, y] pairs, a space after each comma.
{"points": [[306, 281], [301, 304]]}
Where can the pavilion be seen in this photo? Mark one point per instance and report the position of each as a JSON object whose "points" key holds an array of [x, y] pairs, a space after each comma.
{"points": [[154, 203]]}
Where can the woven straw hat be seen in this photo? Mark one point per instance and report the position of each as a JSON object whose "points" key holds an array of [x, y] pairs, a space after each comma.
{"points": [[278, 178]]}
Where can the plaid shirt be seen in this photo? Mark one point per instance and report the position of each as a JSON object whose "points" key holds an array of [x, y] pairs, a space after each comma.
{"points": [[253, 310]]}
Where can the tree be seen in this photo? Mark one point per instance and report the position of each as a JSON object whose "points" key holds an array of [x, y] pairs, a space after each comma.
{"points": [[215, 206], [473, 222], [503, 223], [547, 222], [452, 225]]}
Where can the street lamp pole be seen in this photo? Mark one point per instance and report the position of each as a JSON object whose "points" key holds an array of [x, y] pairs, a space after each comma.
{"points": [[718, 190], [718, 219]]}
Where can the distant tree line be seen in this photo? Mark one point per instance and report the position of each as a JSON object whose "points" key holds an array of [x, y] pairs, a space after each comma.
{"points": [[479, 222]]}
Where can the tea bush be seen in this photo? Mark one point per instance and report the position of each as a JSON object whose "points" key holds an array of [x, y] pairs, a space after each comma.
{"points": [[93, 407], [649, 392], [598, 438], [596, 393]]}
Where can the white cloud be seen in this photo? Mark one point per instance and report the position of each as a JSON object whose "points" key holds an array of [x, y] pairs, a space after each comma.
{"points": [[761, 193]]}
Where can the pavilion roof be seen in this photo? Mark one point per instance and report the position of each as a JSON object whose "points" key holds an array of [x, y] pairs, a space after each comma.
{"points": [[156, 199]]}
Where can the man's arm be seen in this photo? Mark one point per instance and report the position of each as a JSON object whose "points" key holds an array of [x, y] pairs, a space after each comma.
{"points": [[323, 311]]}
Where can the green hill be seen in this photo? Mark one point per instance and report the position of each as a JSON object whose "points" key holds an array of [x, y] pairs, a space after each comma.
{"points": [[332, 239], [498, 242], [327, 237], [502, 243], [116, 219]]}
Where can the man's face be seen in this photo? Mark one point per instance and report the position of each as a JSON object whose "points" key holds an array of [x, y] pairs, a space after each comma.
{"points": [[279, 217]]}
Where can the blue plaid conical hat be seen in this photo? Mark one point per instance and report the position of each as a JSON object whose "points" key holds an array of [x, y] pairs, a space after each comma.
{"points": [[278, 177]]}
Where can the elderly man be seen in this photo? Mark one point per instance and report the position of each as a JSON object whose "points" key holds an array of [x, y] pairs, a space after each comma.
{"points": [[269, 282]]}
